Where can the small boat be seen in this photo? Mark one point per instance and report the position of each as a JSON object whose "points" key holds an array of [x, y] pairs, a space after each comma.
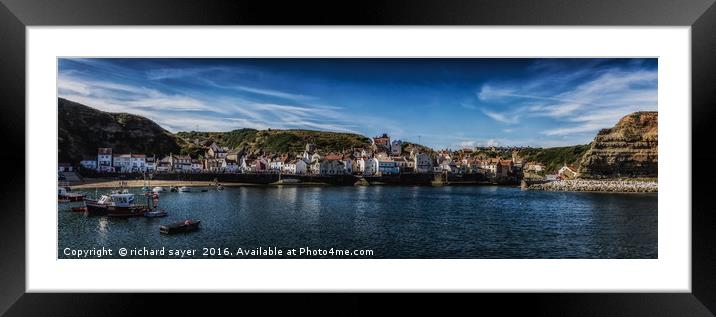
{"points": [[173, 189], [155, 214], [145, 189], [179, 227], [64, 195], [159, 189], [115, 205], [187, 189], [79, 209], [220, 187]]}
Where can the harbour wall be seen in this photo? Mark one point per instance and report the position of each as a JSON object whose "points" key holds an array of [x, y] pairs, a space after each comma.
{"points": [[418, 179]]}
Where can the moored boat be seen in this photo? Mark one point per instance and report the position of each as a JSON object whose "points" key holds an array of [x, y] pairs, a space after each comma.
{"points": [[155, 214], [159, 189], [115, 205], [64, 195], [179, 227], [188, 189]]}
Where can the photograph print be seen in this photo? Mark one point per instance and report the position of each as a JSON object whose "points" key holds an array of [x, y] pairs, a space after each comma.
{"points": [[357, 158]]}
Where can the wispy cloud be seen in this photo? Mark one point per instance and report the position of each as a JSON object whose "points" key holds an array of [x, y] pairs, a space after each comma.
{"points": [[171, 73], [262, 91], [597, 99], [545, 102], [274, 93], [213, 113], [502, 117]]}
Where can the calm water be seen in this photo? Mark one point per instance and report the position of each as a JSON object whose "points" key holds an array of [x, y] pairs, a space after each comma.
{"points": [[394, 222]]}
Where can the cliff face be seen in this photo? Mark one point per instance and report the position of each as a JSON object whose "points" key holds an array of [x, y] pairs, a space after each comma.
{"points": [[83, 129], [629, 149]]}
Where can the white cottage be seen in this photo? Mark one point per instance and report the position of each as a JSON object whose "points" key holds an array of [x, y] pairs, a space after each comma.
{"points": [[298, 166], [368, 166], [104, 159]]}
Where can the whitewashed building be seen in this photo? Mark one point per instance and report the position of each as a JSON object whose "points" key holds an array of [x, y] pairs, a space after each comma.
{"points": [[181, 163], [368, 166], [329, 166], [423, 163], [196, 165], [216, 152], [348, 164], [64, 167], [90, 164], [297, 166], [129, 163], [446, 166], [396, 147], [231, 166], [104, 159], [164, 165], [276, 164], [388, 167], [150, 164], [214, 164]]}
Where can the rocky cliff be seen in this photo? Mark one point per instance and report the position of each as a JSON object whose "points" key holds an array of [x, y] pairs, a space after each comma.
{"points": [[81, 130], [629, 149]]}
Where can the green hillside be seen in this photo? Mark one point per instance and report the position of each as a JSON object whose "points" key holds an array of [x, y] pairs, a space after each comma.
{"points": [[81, 130], [555, 157], [275, 141]]}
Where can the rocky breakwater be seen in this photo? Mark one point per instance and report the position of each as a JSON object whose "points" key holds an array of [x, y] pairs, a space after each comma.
{"points": [[588, 185], [629, 149]]}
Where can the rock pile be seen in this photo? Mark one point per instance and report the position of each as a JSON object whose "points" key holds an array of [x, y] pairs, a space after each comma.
{"points": [[599, 186]]}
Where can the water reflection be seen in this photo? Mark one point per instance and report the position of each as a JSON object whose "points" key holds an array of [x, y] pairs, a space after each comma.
{"points": [[396, 222]]}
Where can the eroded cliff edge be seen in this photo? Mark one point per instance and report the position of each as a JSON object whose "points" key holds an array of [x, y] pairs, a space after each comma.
{"points": [[629, 149]]}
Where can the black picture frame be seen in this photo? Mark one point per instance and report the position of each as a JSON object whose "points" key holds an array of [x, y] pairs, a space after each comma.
{"points": [[16, 15]]}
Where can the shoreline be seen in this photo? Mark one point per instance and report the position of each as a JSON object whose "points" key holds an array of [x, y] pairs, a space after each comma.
{"points": [[598, 186], [167, 183], [576, 185]]}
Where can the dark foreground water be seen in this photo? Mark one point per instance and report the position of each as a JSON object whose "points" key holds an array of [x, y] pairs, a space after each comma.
{"points": [[393, 222]]}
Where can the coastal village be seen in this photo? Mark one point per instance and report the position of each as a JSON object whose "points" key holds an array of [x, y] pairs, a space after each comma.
{"points": [[384, 157]]}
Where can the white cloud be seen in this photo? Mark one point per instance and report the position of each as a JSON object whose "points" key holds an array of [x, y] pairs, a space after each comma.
{"points": [[467, 144], [178, 112], [274, 93], [594, 104], [169, 73], [501, 117], [574, 129]]}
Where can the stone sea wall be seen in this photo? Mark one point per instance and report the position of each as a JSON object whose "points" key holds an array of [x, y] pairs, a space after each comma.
{"points": [[577, 185]]}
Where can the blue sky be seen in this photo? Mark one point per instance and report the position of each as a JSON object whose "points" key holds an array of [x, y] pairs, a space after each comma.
{"points": [[444, 103]]}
